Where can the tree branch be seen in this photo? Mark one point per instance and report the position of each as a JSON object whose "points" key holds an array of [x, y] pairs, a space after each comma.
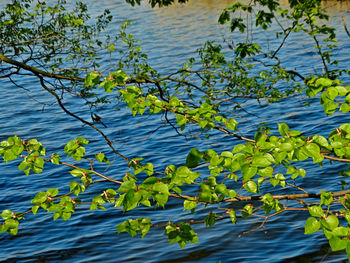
{"points": [[37, 71], [108, 141]]}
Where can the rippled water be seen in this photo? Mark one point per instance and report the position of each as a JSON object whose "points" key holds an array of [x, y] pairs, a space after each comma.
{"points": [[169, 36]]}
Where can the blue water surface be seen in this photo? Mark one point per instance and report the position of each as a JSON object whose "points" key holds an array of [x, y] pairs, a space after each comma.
{"points": [[169, 36]]}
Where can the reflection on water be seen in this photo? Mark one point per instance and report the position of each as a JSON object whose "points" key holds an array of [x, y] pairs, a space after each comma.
{"points": [[334, 6]]}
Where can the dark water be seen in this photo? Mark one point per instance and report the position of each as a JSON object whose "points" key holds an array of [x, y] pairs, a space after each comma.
{"points": [[169, 36]]}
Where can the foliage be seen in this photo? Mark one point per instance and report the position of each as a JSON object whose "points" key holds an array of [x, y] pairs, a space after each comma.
{"points": [[204, 93]]}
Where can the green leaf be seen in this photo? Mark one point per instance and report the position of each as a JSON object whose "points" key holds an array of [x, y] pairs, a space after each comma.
{"points": [[212, 157], [345, 127], [132, 227], [66, 215], [238, 148], [150, 181], [316, 211], [78, 172], [340, 231], [266, 172], [35, 209], [92, 79], [52, 192], [283, 129], [227, 154], [194, 158], [102, 158], [39, 198], [326, 198], [126, 186], [81, 140], [221, 189], [262, 160], [161, 188], [337, 244], [248, 172], [161, 194], [345, 107], [11, 226], [251, 186], [210, 219], [247, 210], [231, 124], [205, 197], [148, 169], [312, 225], [55, 158], [286, 147], [313, 151], [332, 222], [233, 216], [189, 205], [6, 214], [321, 141], [325, 82]]}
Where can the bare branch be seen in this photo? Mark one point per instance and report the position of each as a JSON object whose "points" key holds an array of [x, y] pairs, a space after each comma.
{"points": [[345, 27]]}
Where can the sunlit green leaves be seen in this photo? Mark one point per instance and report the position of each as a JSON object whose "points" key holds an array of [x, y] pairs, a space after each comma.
{"points": [[113, 80], [337, 243], [40, 198], [64, 208], [190, 205], [76, 188], [10, 149], [233, 216], [14, 146], [160, 193], [271, 204], [251, 186], [75, 148], [181, 233], [313, 150], [134, 227], [32, 162], [247, 210], [55, 158], [231, 124], [262, 160], [139, 167], [316, 211], [283, 129], [92, 79], [7, 214], [248, 172], [97, 202], [311, 225], [183, 175], [11, 222], [326, 198], [102, 158]]}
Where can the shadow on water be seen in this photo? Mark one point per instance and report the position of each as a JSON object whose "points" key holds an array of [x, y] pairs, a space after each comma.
{"points": [[190, 257], [324, 254]]}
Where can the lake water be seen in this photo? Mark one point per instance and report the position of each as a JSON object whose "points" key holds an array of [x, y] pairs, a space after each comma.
{"points": [[169, 36]]}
